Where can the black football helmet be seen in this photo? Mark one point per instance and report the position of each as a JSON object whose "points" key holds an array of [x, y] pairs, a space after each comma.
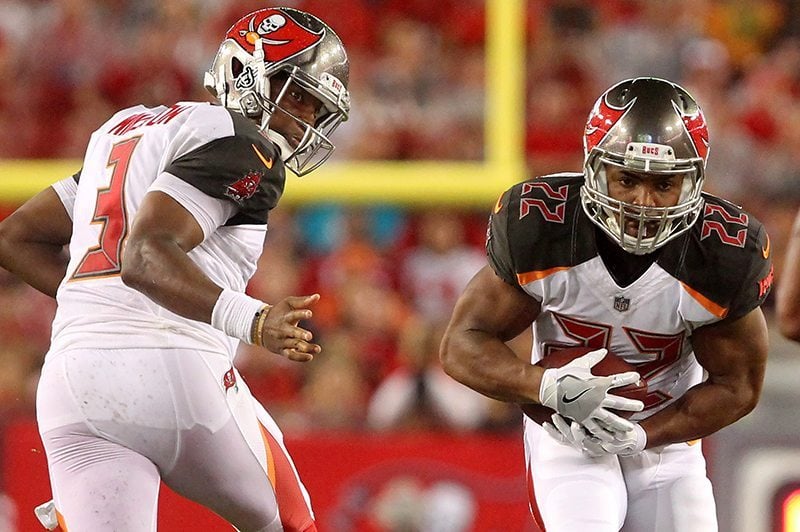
{"points": [[647, 125], [288, 45]]}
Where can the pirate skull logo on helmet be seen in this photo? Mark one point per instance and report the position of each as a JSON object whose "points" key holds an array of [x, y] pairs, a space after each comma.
{"points": [[271, 23]]}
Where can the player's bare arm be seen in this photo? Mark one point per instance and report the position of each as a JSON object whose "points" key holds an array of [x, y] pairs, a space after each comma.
{"points": [[32, 241], [734, 353], [156, 263], [788, 291], [489, 313]]}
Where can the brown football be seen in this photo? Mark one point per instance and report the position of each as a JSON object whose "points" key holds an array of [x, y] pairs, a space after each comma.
{"points": [[610, 365]]}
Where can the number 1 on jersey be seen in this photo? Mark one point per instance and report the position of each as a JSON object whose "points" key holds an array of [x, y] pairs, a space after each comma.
{"points": [[105, 258]]}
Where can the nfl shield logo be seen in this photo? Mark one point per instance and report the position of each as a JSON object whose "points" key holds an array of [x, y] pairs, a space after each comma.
{"points": [[621, 303]]}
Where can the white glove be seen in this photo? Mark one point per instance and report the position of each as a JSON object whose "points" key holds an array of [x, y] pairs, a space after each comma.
{"points": [[626, 443], [574, 392], [572, 434]]}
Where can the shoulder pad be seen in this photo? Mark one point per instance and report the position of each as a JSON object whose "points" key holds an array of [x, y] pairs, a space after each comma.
{"points": [[725, 258], [537, 225], [244, 168]]}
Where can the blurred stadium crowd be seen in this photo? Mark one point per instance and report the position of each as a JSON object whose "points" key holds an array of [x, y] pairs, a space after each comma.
{"points": [[389, 275]]}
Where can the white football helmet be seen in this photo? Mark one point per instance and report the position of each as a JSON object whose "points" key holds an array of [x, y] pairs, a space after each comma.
{"points": [[647, 125], [294, 47]]}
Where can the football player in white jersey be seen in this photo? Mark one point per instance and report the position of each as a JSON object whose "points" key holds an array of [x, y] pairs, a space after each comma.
{"points": [[165, 222], [630, 256]]}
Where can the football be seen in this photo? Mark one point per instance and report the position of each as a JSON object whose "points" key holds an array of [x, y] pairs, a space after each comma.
{"points": [[609, 365]]}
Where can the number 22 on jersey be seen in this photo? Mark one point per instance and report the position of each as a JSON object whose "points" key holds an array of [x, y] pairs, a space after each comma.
{"points": [[105, 259]]}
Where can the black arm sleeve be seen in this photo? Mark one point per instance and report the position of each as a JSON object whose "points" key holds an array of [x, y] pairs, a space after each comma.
{"points": [[244, 169]]}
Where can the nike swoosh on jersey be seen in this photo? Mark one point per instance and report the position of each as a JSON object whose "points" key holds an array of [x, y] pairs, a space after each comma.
{"points": [[267, 162], [568, 400], [765, 249], [499, 205]]}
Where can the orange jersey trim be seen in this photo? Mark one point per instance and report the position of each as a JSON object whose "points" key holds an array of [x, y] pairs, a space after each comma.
{"points": [[528, 277], [715, 309], [294, 510], [270, 459]]}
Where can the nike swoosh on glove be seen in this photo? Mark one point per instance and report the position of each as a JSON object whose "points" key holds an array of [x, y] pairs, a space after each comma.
{"points": [[574, 392]]}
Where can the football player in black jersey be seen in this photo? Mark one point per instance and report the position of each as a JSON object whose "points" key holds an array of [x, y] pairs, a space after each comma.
{"points": [[629, 256], [165, 223], [788, 291]]}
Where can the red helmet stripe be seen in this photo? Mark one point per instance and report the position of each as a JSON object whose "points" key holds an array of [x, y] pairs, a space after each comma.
{"points": [[696, 126], [601, 120]]}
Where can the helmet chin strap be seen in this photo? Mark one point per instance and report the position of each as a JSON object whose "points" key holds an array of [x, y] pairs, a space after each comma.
{"points": [[280, 141]]}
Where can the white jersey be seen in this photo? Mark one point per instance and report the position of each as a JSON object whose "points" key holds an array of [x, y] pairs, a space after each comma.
{"points": [[216, 165]]}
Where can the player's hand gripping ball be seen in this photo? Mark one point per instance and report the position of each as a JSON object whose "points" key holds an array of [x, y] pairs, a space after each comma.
{"points": [[609, 365]]}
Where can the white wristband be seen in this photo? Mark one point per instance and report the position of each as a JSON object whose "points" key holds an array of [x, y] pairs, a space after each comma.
{"points": [[234, 313]]}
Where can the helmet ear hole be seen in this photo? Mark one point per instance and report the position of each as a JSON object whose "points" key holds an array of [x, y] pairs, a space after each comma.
{"points": [[236, 67]]}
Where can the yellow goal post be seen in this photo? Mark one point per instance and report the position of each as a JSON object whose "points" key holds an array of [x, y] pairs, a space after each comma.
{"points": [[406, 183]]}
